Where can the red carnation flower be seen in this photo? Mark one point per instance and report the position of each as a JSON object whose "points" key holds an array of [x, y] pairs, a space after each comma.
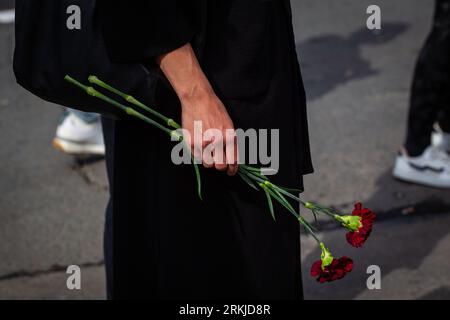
{"points": [[357, 238], [336, 270]]}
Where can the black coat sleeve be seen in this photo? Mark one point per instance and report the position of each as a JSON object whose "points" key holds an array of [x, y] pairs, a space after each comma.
{"points": [[138, 31]]}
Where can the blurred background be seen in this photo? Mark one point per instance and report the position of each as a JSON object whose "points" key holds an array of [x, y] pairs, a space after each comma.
{"points": [[358, 87]]}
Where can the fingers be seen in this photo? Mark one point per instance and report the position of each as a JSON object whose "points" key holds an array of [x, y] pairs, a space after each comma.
{"points": [[232, 155], [220, 151], [215, 149], [220, 162], [207, 149], [232, 170], [213, 155]]}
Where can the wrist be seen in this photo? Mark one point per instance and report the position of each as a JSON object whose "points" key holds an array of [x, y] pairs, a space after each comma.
{"points": [[195, 93]]}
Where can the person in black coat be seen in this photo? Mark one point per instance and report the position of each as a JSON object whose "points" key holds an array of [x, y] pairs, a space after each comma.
{"points": [[231, 64]]}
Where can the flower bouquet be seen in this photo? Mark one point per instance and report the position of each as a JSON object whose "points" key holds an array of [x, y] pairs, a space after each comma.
{"points": [[358, 224]]}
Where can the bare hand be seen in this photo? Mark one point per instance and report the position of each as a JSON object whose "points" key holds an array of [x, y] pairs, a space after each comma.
{"points": [[216, 144]]}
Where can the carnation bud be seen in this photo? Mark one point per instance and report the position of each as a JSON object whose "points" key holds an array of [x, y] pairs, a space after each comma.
{"points": [[309, 205], [325, 256], [351, 223]]}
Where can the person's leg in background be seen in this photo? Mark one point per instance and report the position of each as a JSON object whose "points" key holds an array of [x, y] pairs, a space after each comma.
{"points": [[441, 136], [80, 133], [422, 161], [431, 83]]}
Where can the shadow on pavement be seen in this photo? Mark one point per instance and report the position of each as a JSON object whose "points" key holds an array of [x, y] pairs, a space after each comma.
{"points": [[405, 234], [330, 60], [442, 293]]}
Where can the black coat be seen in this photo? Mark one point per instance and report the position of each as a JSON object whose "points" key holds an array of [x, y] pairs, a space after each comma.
{"points": [[161, 240]]}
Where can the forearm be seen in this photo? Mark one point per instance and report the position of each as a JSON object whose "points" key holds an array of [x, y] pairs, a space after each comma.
{"points": [[184, 73], [199, 103]]}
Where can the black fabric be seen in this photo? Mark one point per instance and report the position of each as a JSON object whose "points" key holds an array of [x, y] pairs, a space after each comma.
{"points": [[166, 243], [168, 25], [430, 96], [46, 50]]}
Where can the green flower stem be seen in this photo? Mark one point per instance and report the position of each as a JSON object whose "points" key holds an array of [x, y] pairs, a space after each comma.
{"points": [[277, 193], [257, 172], [250, 168], [291, 190], [308, 228], [288, 194], [247, 180], [251, 175], [198, 178], [265, 184], [139, 115], [317, 208], [330, 214], [132, 100], [269, 200], [270, 186], [130, 111], [270, 193], [254, 172], [280, 200]]}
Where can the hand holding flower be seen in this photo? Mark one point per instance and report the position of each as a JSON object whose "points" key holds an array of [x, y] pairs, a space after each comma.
{"points": [[359, 224]]}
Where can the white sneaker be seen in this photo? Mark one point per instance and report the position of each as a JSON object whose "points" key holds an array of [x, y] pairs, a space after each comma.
{"points": [[441, 139], [432, 168], [75, 136], [7, 12]]}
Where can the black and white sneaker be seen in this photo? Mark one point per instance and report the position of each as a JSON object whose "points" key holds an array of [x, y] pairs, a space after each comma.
{"points": [[431, 168]]}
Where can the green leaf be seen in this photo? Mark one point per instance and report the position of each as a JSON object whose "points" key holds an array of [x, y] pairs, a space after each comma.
{"points": [[254, 171], [286, 193], [282, 197], [269, 202], [253, 177], [283, 202], [291, 189], [250, 168], [198, 178], [248, 181]]}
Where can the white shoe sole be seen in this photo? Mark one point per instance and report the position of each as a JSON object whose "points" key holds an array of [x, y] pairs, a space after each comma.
{"points": [[414, 176], [78, 148]]}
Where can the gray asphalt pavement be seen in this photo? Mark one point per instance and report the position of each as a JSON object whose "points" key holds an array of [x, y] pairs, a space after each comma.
{"points": [[357, 83]]}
